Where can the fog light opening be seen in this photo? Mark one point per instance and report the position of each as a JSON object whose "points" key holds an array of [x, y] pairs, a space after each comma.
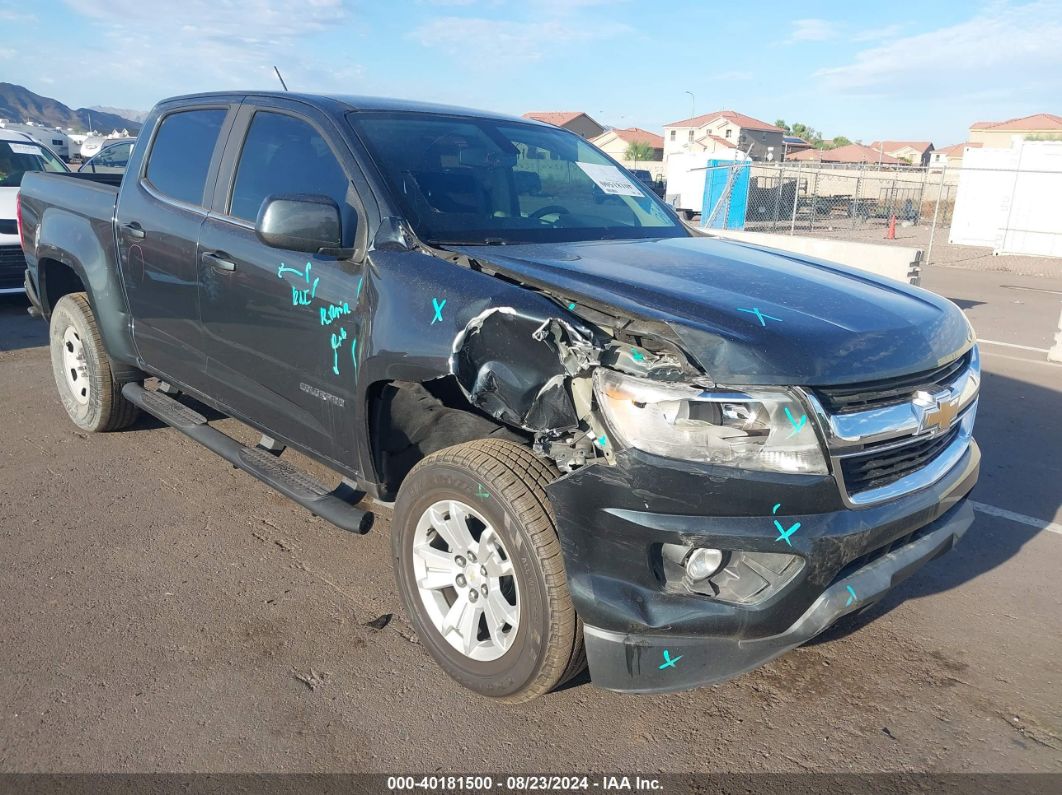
{"points": [[697, 563]]}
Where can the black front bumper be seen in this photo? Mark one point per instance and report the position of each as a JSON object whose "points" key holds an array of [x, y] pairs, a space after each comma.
{"points": [[611, 518]]}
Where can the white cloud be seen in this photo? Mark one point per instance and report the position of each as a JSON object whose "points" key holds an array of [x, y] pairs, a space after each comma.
{"points": [[1004, 46], [203, 45], [508, 40], [813, 30]]}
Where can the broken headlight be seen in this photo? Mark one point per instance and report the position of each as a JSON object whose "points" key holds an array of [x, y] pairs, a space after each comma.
{"points": [[760, 429]]}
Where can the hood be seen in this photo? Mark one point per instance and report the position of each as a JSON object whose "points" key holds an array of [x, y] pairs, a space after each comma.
{"points": [[749, 315]]}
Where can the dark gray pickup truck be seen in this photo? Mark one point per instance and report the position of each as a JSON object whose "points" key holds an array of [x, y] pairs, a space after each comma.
{"points": [[605, 438]]}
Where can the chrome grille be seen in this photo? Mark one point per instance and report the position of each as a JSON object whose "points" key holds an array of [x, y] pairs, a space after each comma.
{"points": [[879, 468], [890, 438], [876, 394]]}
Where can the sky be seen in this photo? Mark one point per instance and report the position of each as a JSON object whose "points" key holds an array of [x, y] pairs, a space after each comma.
{"points": [[898, 70]]}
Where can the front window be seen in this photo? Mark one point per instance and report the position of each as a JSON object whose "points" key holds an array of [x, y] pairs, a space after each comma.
{"points": [[481, 181], [16, 158]]}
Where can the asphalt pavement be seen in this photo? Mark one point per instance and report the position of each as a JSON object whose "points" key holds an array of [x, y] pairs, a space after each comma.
{"points": [[165, 612]]}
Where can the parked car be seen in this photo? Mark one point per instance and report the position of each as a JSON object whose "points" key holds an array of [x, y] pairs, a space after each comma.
{"points": [[646, 178], [111, 159], [19, 153], [602, 434]]}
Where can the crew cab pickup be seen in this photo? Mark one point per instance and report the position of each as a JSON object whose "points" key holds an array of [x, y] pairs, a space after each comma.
{"points": [[600, 437]]}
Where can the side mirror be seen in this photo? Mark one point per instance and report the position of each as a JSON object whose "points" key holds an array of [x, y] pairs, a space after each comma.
{"points": [[299, 223]]}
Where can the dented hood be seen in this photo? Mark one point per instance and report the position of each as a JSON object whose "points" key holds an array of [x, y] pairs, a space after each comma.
{"points": [[749, 315]]}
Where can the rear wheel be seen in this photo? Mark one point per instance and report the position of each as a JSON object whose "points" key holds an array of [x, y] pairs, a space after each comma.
{"points": [[480, 571], [89, 383]]}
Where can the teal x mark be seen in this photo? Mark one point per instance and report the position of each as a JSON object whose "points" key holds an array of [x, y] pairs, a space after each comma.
{"points": [[797, 426], [438, 310], [759, 315], [853, 596], [783, 534], [669, 661]]}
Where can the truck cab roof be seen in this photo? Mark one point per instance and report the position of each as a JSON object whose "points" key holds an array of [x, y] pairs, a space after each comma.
{"points": [[344, 103]]}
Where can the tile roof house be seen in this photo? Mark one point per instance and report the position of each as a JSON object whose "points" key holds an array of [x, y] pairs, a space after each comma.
{"points": [[1001, 134], [852, 153], [724, 130], [574, 120], [614, 142], [951, 155], [914, 152]]}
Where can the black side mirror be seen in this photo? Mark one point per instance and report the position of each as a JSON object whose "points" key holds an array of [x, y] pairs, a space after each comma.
{"points": [[299, 223]]}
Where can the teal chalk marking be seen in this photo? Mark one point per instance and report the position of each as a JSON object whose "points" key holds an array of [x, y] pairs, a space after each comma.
{"points": [[669, 661], [354, 354], [304, 274], [853, 596], [337, 341], [316, 281], [438, 310], [783, 534], [760, 315], [637, 355], [571, 306], [481, 492], [357, 295], [601, 441], [798, 426]]}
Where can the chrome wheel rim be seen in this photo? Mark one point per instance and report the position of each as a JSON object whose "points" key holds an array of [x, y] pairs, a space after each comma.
{"points": [[75, 367], [465, 580]]}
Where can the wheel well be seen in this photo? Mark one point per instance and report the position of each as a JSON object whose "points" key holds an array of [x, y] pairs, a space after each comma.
{"points": [[56, 280], [410, 420]]}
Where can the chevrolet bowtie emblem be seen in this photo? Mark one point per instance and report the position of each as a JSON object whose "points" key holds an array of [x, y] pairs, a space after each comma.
{"points": [[935, 412]]}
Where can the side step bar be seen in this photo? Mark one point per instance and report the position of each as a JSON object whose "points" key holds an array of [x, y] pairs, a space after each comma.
{"points": [[336, 506]]}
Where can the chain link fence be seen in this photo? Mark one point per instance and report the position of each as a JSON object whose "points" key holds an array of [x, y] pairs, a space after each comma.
{"points": [[852, 202]]}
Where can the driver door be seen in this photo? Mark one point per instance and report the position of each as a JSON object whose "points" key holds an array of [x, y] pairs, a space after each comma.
{"points": [[277, 341]]}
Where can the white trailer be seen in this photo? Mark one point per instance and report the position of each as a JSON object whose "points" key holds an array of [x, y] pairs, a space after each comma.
{"points": [[686, 175]]}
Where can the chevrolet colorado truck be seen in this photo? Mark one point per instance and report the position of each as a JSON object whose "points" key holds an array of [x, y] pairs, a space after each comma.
{"points": [[605, 439]]}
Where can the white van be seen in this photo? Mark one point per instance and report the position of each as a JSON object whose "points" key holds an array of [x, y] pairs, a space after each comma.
{"points": [[19, 153]]}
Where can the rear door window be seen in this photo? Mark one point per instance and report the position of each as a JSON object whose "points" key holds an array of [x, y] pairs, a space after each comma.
{"points": [[179, 161]]}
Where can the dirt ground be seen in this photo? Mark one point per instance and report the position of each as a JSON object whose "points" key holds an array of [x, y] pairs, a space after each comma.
{"points": [[165, 612]]}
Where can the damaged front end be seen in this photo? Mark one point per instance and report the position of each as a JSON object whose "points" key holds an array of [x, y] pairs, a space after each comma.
{"points": [[537, 374]]}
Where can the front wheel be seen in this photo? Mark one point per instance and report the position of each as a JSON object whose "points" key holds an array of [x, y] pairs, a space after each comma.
{"points": [[89, 383], [480, 571]]}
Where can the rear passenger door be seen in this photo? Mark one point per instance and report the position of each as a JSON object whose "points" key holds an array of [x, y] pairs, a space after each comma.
{"points": [[278, 325], [160, 211]]}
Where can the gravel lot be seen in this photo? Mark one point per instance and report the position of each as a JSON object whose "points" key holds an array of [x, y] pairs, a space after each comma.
{"points": [[165, 612]]}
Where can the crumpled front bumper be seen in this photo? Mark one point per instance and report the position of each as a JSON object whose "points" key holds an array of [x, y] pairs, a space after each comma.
{"points": [[644, 636]]}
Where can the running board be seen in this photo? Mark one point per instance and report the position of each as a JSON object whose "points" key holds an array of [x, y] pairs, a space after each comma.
{"points": [[336, 506]]}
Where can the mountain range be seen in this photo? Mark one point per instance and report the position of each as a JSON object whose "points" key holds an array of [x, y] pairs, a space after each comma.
{"points": [[18, 104]]}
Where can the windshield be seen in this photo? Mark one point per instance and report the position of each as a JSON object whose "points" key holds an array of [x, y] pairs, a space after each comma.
{"points": [[482, 181], [17, 157]]}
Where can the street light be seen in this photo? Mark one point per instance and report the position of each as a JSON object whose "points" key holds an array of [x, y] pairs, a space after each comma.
{"points": [[693, 104]]}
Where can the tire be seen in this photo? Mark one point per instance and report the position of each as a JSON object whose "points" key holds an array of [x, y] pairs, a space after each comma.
{"points": [[499, 486], [89, 383]]}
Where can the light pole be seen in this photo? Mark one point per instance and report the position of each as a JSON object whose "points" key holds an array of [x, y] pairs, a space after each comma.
{"points": [[693, 104]]}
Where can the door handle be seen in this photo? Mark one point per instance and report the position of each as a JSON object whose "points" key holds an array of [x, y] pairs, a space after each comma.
{"points": [[218, 260], [135, 230]]}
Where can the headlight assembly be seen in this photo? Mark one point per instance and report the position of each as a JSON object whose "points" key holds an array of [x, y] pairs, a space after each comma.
{"points": [[759, 429]]}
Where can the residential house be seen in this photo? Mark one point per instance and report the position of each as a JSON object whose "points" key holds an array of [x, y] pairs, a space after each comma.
{"points": [[1001, 134], [724, 130], [851, 153], [791, 144], [614, 142], [951, 156], [917, 153], [576, 121]]}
